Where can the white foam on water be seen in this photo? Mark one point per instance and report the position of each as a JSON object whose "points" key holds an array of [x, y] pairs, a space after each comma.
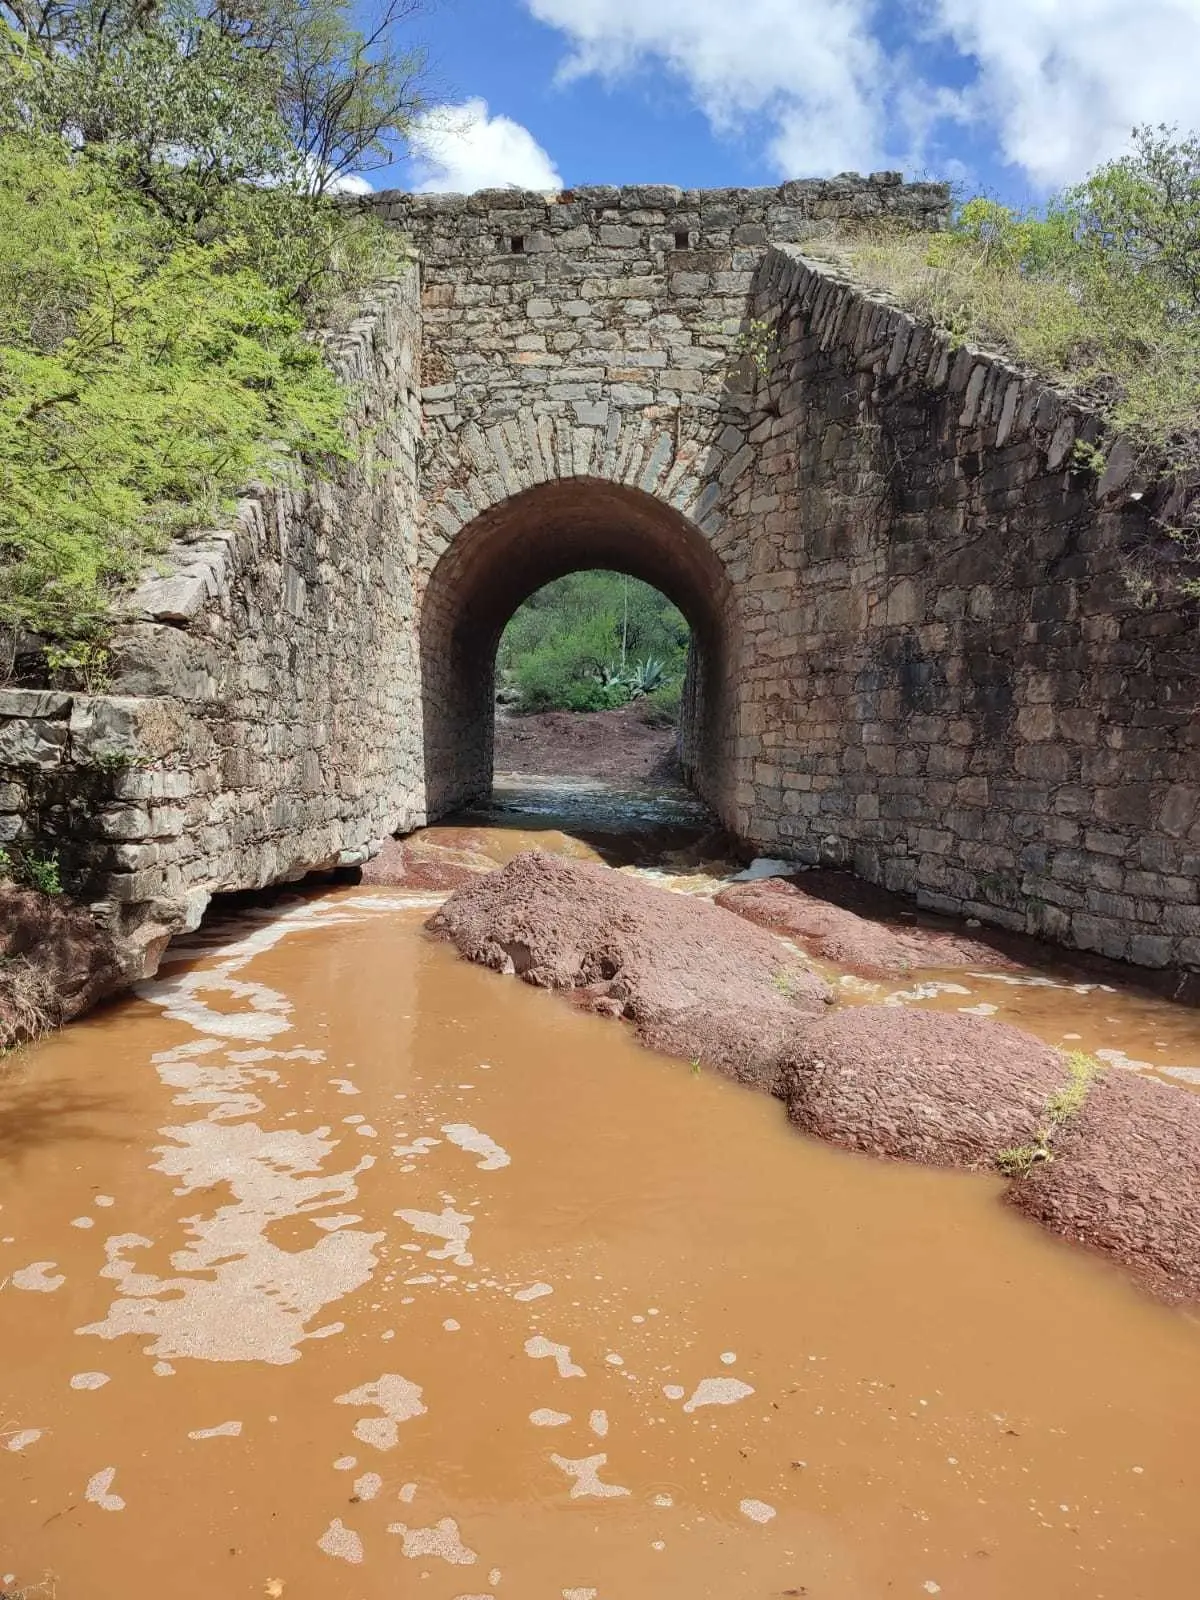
{"points": [[163, 1369], [663, 1500], [924, 991], [83, 1222], [1184, 1074], [230, 1261], [442, 1541], [598, 1423], [580, 1594], [89, 1380], [718, 1392], [757, 1510], [475, 1143], [224, 1086], [345, 1219], [983, 1009], [419, 1147], [728, 1357], [585, 1473], [452, 1226], [765, 867], [22, 1439], [266, 1014], [542, 1349], [408, 1493], [38, 1278], [104, 1201], [368, 1487], [535, 1291], [342, 1543], [398, 1399], [345, 1464], [450, 1326], [223, 1430], [1118, 1058], [98, 1491], [673, 1391], [545, 1418]]}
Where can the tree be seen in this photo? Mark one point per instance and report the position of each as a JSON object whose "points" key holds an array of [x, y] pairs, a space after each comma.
{"points": [[346, 94], [1142, 214], [198, 94]]}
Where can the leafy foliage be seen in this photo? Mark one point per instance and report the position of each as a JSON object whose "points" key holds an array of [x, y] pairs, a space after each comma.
{"points": [[1101, 291], [167, 242], [143, 376], [563, 648]]}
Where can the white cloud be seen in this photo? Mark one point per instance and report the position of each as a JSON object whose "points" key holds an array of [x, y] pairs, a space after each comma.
{"points": [[1062, 82], [1057, 84], [810, 68], [351, 183], [461, 148]]}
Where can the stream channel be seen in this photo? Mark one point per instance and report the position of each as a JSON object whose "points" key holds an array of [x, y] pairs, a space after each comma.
{"points": [[335, 1268]]}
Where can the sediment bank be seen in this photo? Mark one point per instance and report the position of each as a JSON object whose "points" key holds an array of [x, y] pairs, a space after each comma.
{"points": [[1123, 1176]]}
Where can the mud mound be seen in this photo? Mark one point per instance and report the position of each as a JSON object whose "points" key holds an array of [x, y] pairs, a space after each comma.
{"points": [[838, 934], [948, 1091], [694, 980], [418, 864], [55, 963], [1125, 1179]]}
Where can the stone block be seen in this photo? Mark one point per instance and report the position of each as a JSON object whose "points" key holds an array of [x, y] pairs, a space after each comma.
{"points": [[32, 742]]}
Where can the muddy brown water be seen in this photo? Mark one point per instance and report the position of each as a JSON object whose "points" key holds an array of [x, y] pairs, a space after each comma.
{"points": [[334, 1267]]}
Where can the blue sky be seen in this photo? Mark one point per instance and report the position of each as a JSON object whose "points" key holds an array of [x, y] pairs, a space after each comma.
{"points": [[1014, 97]]}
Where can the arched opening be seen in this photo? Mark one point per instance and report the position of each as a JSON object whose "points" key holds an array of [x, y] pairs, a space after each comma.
{"points": [[515, 548], [590, 672]]}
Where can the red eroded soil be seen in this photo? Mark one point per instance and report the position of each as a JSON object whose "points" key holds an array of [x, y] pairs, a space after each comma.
{"points": [[703, 984], [920, 1085], [799, 908], [415, 863], [694, 980], [1125, 1179], [55, 963], [614, 745]]}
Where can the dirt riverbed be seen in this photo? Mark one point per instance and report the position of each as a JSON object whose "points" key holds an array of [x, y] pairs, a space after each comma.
{"points": [[617, 745]]}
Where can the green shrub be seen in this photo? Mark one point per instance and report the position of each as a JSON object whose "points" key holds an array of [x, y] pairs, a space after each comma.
{"points": [[660, 708], [590, 641], [143, 377], [167, 246], [1100, 292]]}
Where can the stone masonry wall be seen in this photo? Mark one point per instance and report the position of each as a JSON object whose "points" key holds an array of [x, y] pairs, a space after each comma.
{"points": [[916, 652], [594, 337], [263, 716], [951, 687]]}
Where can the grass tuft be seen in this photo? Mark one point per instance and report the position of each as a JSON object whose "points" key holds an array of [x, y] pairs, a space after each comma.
{"points": [[1018, 1161]]}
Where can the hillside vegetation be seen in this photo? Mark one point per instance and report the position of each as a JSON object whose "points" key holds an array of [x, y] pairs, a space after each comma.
{"points": [[168, 242], [594, 640], [1100, 291]]}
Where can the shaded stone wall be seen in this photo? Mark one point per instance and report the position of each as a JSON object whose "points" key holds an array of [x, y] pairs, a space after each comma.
{"points": [[263, 718], [950, 687]]}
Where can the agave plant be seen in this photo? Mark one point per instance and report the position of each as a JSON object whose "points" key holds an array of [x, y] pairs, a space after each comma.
{"points": [[611, 676], [646, 676]]}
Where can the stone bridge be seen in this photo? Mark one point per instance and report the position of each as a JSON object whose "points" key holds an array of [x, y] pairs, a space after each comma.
{"points": [[915, 649]]}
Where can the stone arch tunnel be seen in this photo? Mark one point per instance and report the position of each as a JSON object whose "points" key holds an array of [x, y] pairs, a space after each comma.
{"points": [[918, 653], [507, 553]]}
